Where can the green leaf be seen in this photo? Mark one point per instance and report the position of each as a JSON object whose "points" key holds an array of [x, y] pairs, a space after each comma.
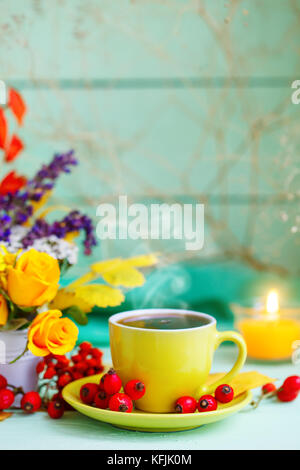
{"points": [[5, 294], [27, 309], [14, 324], [64, 265], [77, 314]]}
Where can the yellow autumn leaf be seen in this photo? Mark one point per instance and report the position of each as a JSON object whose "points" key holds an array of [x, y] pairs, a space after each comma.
{"points": [[71, 235], [249, 380], [4, 415], [125, 275], [54, 208], [65, 299], [100, 295], [137, 261], [103, 266], [142, 261], [82, 280], [244, 381], [37, 205]]}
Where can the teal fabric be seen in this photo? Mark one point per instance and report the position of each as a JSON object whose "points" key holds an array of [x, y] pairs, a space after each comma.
{"points": [[206, 288]]}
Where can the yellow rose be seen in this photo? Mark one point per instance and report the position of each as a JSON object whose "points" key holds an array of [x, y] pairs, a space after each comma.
{"points": [[34, 279], [3, 311], [49, 333]]}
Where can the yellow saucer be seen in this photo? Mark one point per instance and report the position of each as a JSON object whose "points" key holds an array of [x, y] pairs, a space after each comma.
{"points": [[150, 422]]}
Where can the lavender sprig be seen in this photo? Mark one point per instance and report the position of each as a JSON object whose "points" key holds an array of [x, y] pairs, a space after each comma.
{"points": [[73, 222], [17, 208], [19, 205], [45, 178]]}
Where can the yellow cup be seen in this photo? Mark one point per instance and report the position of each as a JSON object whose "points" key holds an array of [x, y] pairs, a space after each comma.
{"points": [[171, 363]]}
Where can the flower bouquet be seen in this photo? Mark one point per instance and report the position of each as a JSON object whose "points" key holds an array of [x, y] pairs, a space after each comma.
{"points": [[36, 315]]}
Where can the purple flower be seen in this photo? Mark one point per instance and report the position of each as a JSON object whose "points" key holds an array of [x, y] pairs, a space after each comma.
{"points": [[45, 178], [73, 222], [16, 209]]}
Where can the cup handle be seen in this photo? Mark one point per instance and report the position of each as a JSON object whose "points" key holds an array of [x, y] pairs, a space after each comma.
{"points": [[240, 342]]}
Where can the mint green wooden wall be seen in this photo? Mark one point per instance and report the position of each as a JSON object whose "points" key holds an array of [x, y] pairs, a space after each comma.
{"points": [[170, 99]]}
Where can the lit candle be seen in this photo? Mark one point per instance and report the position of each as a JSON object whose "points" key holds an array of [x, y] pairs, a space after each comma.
{"points": [[269, 334]]}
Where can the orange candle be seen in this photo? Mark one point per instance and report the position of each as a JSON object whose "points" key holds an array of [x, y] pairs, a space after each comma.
{"points": [[269, 335]]}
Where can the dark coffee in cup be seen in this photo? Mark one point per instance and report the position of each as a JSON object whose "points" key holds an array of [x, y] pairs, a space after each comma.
{"points": [[165, 322]]}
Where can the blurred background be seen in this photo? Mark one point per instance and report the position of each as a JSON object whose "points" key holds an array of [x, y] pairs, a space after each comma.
{"points": [[172, 101]]}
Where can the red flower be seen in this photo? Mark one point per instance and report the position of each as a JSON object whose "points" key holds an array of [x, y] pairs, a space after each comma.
{"points": [[17, 105], [11, 183], [14, 148], [3, 129]]}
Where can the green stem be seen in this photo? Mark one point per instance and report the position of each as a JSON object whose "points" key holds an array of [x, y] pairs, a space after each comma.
{"points": [[20, 355], [16, 390], [262, 397]]}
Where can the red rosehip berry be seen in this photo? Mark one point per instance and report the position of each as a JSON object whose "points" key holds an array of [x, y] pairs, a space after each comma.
{"points": [[111, 382], [50, 372], [96, 353], [91, 363], [224, 393], [120, 402], [7, 398], [64, 370], [98, 362], [90, 372], [186, 404], [57, 396], [76, 358], [31, 402], [62, 361], [77, 375], [88, 392], [55, 409], [81, 367], [286, 395], [101, 383], [268, 388], [84, 355], [85, 346], [292, 383], [135, 389], [102, 399], [64, 380], [49, 359], [207, 403], [3, 382], [40, 367]]}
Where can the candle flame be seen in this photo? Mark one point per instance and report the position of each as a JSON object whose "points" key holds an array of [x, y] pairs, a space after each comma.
{"points": [[272, 302]]}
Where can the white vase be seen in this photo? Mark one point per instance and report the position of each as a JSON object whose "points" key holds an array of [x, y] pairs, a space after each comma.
{"points": [[21, 373]]}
